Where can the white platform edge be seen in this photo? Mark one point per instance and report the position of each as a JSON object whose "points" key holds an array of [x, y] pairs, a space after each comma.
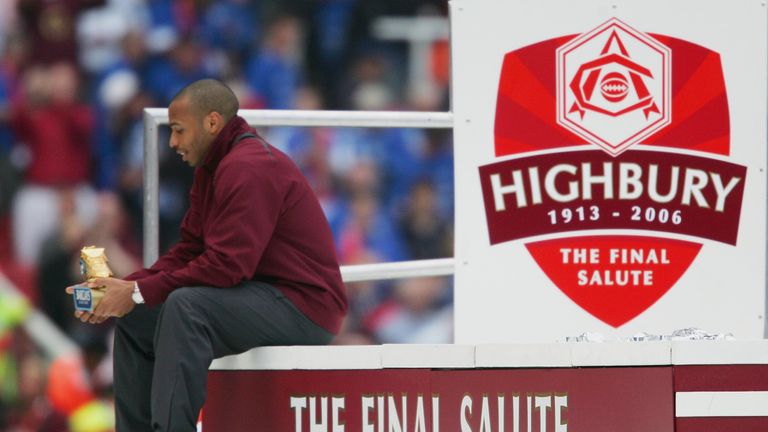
{"points": [[303, 357], [522, 355], [514, 355], [573, 354], [621, 354], [428, 356], [721, 404], [720, 352]]}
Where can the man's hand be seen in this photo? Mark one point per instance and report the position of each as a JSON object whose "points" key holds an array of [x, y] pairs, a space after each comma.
{"points": [[116, 302]]}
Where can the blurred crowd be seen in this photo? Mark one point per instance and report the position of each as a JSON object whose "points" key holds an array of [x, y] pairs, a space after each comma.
{"points": [[75, 76]]}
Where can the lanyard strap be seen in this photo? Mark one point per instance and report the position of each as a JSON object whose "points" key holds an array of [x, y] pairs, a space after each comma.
{"points": [[250, 135]]}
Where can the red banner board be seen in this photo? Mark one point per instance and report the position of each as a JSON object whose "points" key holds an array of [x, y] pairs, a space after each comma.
{"points": [[630, 399]]}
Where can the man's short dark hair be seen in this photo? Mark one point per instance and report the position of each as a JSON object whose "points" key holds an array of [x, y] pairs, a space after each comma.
{"points": [[208, 95]]}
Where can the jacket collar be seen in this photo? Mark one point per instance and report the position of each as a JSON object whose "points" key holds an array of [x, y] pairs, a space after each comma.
{"points": [[224, 141]]}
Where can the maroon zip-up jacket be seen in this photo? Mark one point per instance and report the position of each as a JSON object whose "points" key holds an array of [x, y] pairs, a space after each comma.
{"points": [[252, 216]]}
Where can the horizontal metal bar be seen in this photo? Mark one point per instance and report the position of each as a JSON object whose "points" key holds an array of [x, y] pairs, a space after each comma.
{"points": [[154, 117], [398, 270], [379, 119], [422, 28]]}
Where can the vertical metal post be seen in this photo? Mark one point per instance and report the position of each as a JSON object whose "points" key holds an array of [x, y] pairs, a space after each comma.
{"points": [[151, 189]]}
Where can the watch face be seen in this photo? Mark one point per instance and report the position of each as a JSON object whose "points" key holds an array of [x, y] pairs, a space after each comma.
{"points": [[136, 296]]}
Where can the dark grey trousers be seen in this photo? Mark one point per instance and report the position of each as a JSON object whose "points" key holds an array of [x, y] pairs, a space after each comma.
{"points": [[162, 354]]}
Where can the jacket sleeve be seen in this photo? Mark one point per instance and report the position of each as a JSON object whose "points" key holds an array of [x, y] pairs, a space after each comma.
{"points": [[244, 215], [188, 248]]}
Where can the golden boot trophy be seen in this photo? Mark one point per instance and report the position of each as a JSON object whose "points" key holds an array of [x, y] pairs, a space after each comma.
{"points": [[93, 264]]}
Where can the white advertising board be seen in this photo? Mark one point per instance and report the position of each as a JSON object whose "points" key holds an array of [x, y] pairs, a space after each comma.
{"points": [[610, 167]]}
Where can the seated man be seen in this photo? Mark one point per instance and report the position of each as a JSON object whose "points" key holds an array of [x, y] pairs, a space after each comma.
{"points": [[255, 266]]}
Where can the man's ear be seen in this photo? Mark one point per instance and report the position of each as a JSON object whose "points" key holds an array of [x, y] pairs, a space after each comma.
{"points": [[214, 123]]}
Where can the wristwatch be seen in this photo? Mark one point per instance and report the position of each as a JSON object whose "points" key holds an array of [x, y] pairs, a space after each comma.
{"points": [[136, 296]]}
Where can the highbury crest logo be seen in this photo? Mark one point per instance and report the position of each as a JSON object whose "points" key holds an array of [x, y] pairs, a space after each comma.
{"points": [[613, 86], [594, 213]]}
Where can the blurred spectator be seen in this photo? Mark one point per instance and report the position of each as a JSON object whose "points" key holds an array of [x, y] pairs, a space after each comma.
{"points": [[370, 85], [426, 232], [50, 27], [117, 90], [133, 55], [116, 87], [23, 405], [395, 155], [166, 75], [274, 74], [57, 129], [102, 32], [230, 27], [367, 231], [437, 166], [129, 133], [7, 20], [329, 22], [6, 139], [167, 22], [9, 177], [57, 266], [419, 313]]}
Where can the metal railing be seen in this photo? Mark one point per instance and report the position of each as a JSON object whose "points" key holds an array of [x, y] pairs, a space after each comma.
{"points": [[156, 117], [40, 328]]}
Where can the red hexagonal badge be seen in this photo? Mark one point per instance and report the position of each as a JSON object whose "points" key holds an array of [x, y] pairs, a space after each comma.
{"points": [[613, 86]]}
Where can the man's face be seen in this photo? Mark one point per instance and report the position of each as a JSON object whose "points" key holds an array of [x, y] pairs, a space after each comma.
{"points": [[189, 138]]}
